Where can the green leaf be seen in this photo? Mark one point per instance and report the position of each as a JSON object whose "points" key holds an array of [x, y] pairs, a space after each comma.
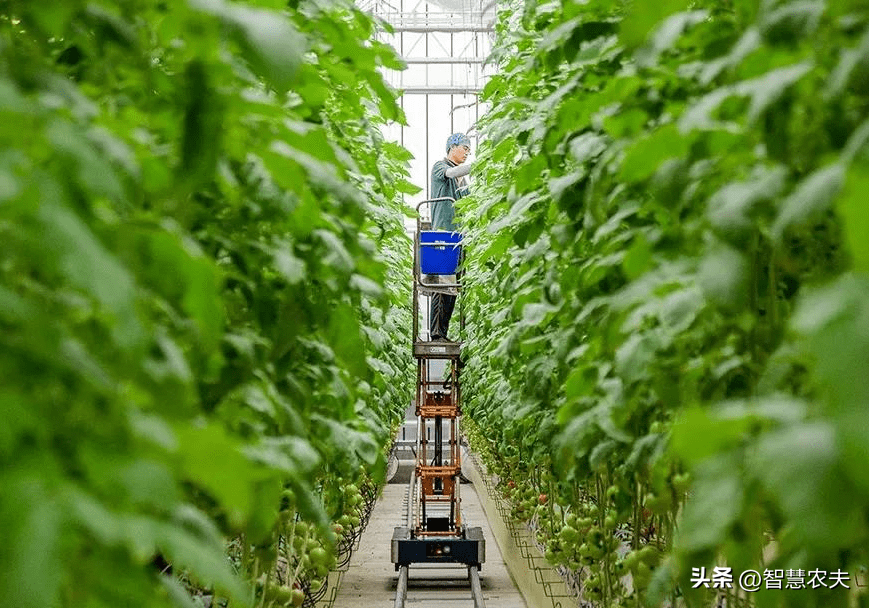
{"points": [[634, 357], [799, 466], [88, 265], [644, 157], [346, 340], [195, 280], [213, 460], [698, 434], [203, 115], [852, 208], [626, 123], [643, 16], [92, 169], [587, 146], [747, 44], [11, 99], [580, 382], [792, 20], [812, 196], [147, 482], [534, 313], [731, 209], [767, 89], [153, 429], [559, 186], [33, 520], [112, 27], [715, 505], [763, 91], [269, 40], [723, 276], [9, 185], [833, 318], [106, 527], [292, 455], [406, 187], [680, 308], [496, 248], [638, 258], [291, 268], [337, 255], [177, 593], [850, 61], [668, 33], [205, 560]]}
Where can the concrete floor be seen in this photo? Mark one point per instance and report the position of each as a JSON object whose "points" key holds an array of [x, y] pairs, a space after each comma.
{"points": [[370, 579]]}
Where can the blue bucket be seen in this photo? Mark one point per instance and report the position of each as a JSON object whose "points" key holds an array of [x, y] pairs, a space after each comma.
{"points": [[439, 251]]}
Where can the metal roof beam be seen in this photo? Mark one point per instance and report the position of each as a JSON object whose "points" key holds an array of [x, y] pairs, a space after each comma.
{"points": [[446, 29], [432, 90], [442, 60]]}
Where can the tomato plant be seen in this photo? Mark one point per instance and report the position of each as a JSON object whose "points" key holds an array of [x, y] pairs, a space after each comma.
{"points": [[666, 287], [203, 295]]}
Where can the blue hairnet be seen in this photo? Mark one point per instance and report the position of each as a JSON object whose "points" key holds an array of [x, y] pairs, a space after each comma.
{"points": [[458, 139]]}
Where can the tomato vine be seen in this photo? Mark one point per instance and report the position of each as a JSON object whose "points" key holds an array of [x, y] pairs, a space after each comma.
{"points": [[667, 289], [203, 297]]}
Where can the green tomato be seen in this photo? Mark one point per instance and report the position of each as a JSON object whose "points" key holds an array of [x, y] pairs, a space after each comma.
{"points": [[643, 575], [682, 482], [631, 560], [319, 556], [649, 555], [280, 593], [596, 551], [658, 504], [568, 534], [289, 496]]}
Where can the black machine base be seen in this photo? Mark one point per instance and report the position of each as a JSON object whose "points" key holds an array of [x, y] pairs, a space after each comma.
{"points": [[469, 550]]}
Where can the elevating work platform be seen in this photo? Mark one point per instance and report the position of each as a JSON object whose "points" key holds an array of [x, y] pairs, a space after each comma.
{"points": [[434, 531]]}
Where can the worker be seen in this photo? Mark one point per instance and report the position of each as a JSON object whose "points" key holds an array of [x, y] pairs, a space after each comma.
{"points": [[448, 179]]}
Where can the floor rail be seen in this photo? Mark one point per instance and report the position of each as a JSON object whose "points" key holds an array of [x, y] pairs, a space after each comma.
{"points": [[401, 587]]}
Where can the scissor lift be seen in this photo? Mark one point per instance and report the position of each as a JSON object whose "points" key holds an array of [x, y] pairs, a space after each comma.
{"points": [[434, 531]]}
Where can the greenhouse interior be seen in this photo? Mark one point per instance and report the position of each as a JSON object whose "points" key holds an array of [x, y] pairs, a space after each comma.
{"points": [[434, 303]]}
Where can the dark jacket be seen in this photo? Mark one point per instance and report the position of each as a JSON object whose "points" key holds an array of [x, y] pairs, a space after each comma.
{"points": [[442, 211]]}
